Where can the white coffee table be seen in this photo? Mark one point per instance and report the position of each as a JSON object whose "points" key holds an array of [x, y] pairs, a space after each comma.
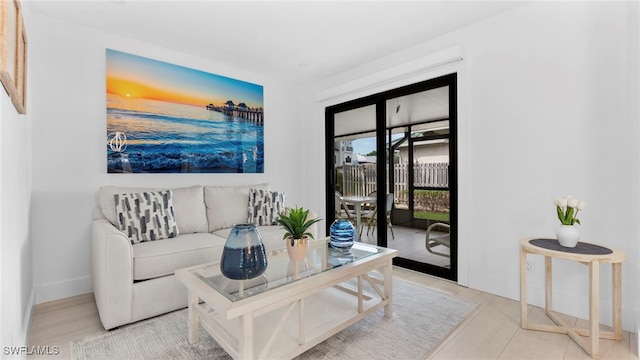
{"points": [[293, 306]]}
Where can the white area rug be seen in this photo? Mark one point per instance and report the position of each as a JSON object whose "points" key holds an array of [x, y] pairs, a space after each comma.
{"points": [[422, 318]]}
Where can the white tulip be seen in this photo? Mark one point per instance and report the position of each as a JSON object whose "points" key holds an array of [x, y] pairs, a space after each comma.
{"points": [[562, 203], [572, 202], [581, 205], [557, 201]]}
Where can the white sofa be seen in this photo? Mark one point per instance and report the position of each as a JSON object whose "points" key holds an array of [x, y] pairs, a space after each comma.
{"points": [[132, 282]]}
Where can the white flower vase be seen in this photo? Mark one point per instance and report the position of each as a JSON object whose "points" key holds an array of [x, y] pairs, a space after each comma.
{"points": [[568, 235]]}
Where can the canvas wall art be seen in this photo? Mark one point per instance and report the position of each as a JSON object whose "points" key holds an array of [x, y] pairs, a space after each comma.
{"points": [[165, 118], [13, 53]]}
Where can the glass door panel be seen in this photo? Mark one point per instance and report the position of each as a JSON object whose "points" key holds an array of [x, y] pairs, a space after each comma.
{"points": [[355, 168], [430, 147], [431, 198], [354, 144], [399, 177], [418, 127]]}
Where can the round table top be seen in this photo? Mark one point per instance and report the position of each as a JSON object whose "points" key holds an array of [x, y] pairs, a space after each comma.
{"points": [[358, 198], [585, 252]]}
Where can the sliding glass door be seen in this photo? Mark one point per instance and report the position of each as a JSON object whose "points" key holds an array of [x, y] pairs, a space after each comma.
{"points": [[398, 149]]}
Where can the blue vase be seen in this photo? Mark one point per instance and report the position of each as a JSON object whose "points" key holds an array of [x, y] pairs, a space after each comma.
{"points": [[243, 256], [342, 235]]}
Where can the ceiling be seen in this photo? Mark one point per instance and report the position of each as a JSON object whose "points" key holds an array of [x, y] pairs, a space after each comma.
{"points": [[298, 41]]}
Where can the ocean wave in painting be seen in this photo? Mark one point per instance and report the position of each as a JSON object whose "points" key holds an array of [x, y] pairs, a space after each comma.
{"points": [[166, 137]]}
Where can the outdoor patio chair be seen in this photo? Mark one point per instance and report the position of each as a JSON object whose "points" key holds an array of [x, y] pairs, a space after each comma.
{"points": [[436, 238], [372, 219], [370, 206], [342, 211]]}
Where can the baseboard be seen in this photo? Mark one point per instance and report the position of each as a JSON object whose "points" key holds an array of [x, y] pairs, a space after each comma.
{"points": [[63, 289]]}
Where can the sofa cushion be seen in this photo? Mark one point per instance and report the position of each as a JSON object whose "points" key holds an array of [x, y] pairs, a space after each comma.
{"points": [[191, 214], [164, 257], [146, 216], [265, 206], [227, 205], [188, 203], [108, 206]]}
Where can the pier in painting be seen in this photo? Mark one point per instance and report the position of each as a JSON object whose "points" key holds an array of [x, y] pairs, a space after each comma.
{"points": [[240, 111]]}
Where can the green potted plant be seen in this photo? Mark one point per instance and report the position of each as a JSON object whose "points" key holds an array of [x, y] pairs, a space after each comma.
{"points": [[296, 223]]}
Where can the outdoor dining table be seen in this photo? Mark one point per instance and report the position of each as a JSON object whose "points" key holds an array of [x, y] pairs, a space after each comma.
{"points": [[357, 202]]}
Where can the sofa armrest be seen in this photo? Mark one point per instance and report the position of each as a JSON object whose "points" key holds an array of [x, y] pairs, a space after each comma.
{"points": [[112, 273]]}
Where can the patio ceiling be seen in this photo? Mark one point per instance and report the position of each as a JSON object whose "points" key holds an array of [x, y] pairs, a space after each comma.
{"points": [[405, 110]]}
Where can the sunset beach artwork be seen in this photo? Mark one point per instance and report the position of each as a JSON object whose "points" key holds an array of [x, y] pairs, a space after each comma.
{"points": [[165, 118]]}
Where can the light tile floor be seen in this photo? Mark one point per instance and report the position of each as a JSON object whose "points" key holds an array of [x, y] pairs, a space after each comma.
{"points": [[492, 331]]}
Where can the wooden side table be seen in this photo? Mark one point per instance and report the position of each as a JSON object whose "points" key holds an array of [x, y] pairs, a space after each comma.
{"points": [[588, 254]]}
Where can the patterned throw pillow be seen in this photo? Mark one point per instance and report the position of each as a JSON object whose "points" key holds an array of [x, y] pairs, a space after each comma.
{"points": [[265, 206], [146, 216]]}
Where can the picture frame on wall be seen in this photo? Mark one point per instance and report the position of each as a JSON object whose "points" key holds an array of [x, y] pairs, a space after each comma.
{"points": [[13, 50], [20, 98], [168, 118]]}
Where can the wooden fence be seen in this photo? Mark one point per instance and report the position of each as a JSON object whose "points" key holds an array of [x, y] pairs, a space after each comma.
{"points": [[431, 175], [360, 180]]}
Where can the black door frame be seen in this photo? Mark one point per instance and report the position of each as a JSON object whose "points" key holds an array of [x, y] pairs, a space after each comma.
{"points": [[379, 100]]}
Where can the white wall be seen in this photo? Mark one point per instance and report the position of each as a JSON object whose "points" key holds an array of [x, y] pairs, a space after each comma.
{"points": [[69, 149], [16, 275], [547, 91]]}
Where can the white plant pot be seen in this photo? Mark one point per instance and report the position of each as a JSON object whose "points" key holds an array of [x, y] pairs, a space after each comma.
{"points": [[568, 235], [297, 248]]}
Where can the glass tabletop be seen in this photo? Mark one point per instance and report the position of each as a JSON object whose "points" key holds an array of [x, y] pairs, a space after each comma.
{"points": [[282, 271]]}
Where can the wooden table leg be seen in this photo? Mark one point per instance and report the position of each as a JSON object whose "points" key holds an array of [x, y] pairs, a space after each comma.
{"points": [[617, 300], [548, 284], [246, 336], [194, 335], [594, 308], [388, 289], [358, 208], [301, 337], [523, 288], [360, 295]]}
